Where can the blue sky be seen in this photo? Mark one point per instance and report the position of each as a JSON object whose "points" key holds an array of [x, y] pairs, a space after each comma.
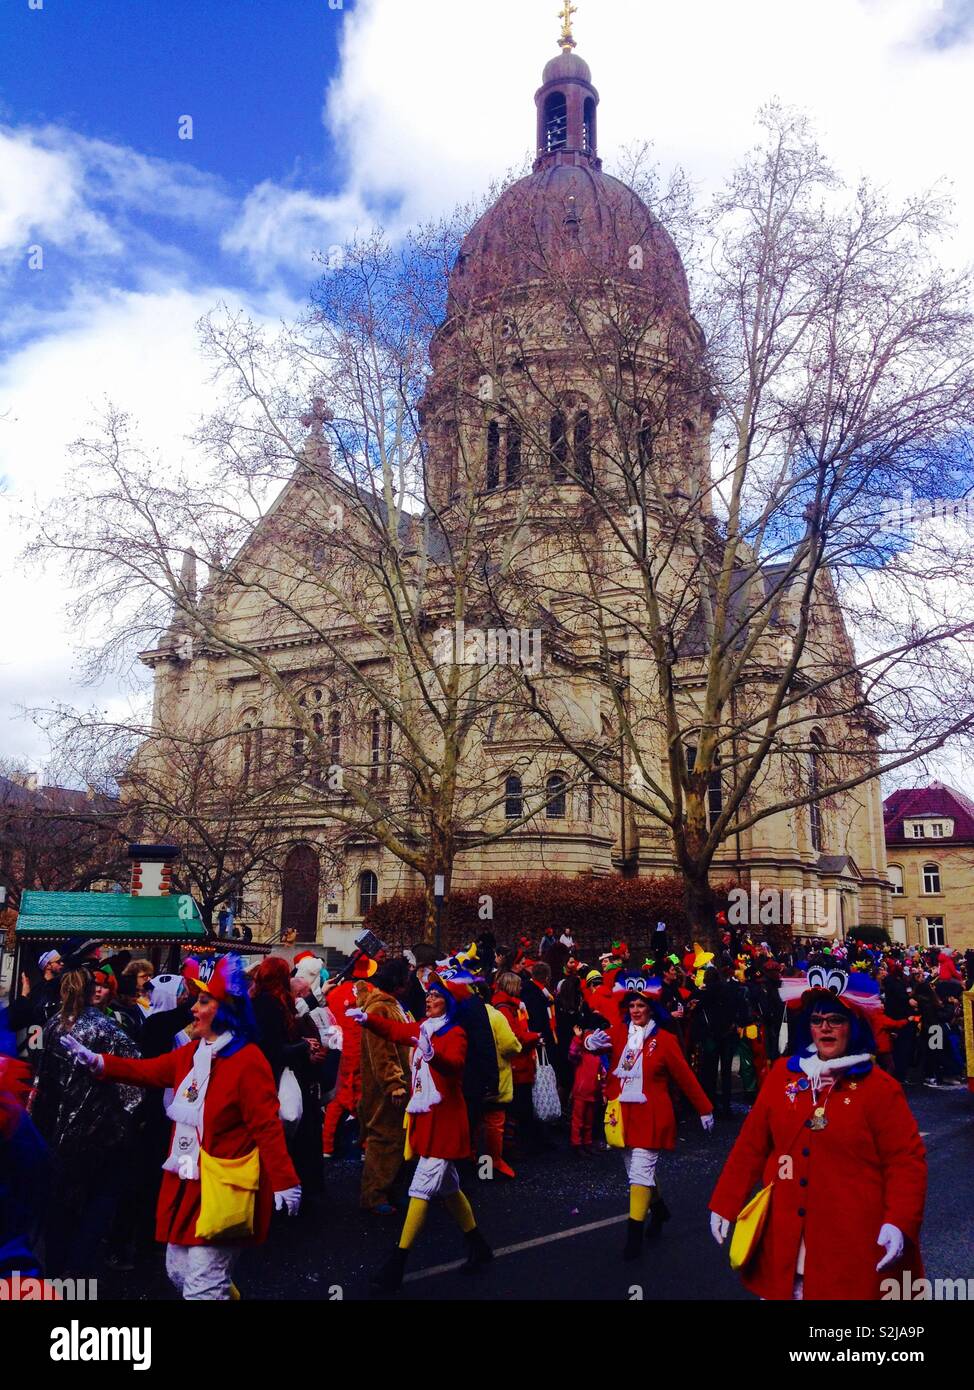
{"points": [[120, 76], [311, 121]]}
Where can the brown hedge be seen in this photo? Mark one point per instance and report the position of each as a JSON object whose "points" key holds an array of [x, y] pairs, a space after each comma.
{"points": [[597, 910]]}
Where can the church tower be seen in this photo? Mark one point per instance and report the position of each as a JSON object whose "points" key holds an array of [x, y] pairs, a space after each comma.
{"points": [[567, 271]]}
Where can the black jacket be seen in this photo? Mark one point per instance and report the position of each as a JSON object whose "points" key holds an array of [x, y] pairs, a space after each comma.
{"points": [[480, 1075]]}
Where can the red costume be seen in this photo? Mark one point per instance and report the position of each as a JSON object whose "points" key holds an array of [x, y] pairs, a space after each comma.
{"points": [[348, 1091], [525, 1063], [443, 1131], [586, 1089], [839, 1185], [240, 1111], [653, 1124]]}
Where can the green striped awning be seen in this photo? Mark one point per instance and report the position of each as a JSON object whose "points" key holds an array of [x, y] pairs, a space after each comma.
{"points": [[111, 917]]}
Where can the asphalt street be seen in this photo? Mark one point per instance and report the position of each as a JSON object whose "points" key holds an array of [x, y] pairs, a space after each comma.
{"points": [[558, 1228]]}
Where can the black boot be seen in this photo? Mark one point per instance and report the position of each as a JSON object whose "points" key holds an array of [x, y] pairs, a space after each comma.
{"points": [[659, 1213], [634, 1240], [388, 1277], [479, 1252]]}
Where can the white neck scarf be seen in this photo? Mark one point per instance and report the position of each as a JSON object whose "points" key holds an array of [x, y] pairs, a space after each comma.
{"points": [[630, 1068], [186, 1110], [425, 1095], [818, 1069]]}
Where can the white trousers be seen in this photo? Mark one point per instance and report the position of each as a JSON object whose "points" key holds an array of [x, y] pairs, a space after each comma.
{"points": [[641, 1166], [200, 1273], [434, 1177]]}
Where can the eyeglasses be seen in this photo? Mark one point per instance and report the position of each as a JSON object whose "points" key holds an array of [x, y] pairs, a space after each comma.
{"points": [[833, 1020]]}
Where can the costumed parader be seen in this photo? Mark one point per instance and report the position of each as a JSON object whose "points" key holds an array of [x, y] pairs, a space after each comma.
{"points": [[437, 1128], [836, 1150], [639, 1116], [228, 1164]]}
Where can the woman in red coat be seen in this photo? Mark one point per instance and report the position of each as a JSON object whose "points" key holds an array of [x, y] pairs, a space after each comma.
{"points": [[835, 1137], [644, 1059], [436, 1119], [225, 1104]]}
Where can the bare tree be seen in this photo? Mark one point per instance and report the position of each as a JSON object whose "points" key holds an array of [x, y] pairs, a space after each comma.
{"points": [[56, 838], [344, 565], [743, 625]]}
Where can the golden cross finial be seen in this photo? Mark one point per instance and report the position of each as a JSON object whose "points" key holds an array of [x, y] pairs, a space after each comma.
{"points": [[567, 40]]}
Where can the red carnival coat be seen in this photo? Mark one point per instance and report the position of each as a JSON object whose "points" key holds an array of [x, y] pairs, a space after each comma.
{"points": [[524, 1064], [653, 1124], [444, 1130], [835, 1186], [348, 1089], [239, 1112]]}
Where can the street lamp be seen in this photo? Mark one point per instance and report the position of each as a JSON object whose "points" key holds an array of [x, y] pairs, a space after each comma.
{"points": [[439, 892]]}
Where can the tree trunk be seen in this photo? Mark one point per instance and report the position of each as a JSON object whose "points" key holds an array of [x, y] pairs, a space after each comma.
{"points": [[439, 861], [701, 906]]}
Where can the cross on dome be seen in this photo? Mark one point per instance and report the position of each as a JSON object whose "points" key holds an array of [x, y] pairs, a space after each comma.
{"points": [[565, 14]]}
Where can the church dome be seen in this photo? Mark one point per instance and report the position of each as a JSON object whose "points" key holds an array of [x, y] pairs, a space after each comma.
{"points": [[567, 216], [567, 213]]}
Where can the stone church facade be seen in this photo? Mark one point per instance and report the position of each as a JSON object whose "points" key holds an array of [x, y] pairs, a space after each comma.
{"points": [[566, 206]]}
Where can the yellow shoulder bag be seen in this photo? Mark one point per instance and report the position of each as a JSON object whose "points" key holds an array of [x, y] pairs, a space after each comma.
{"points": [[614, 1136], [228, 1194], [749, 1228]]}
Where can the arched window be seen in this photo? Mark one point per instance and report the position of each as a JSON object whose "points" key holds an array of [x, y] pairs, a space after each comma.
{"points": [[299, 746], [335, 732], [555, 788], [583, 447], [368, 891], [558, 441], [895, 873], [513, 460], [715, 788], [513, 797], [590, 789], [931, 878], [493, 455], [376, 750], [556, 122], [644, 444], [588, 126], [248, 750], [814, 787]]}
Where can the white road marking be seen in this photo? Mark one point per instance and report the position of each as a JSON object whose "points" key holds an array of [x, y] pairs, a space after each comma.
{"points": [[515, 1249]]}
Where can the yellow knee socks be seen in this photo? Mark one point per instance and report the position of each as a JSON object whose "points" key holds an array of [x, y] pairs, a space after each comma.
{"points": [[461, 1211], [415, 1216], [638, 1202]]}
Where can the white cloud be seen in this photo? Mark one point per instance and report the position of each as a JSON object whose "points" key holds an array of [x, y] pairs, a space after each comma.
{"points": [[41, 198], [139, 349], [283, 227], [434, 99]]}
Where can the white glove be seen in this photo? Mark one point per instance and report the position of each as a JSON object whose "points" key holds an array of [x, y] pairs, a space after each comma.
{"points": [[719, 1227], [598, 1041], [707, 1121], [356, 1015], [289, 1200], [424, 1046], [81, 1054], [892, 1240]]}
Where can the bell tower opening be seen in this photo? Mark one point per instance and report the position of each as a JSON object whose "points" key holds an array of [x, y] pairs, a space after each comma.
{"points": [[555, 123]]}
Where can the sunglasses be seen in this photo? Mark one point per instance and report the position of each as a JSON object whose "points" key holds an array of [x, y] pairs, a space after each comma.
{"points": [[833, 1020]]}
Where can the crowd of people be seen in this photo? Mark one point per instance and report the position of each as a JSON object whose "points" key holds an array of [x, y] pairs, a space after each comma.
{"points": [[217, 1094]]}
